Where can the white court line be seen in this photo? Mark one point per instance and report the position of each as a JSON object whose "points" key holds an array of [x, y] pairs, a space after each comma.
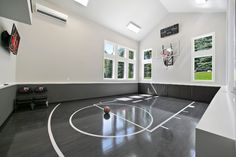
{"points": [[108, 101], [185, 111], [145, 95], [137, 101], [164, 127], [177, 117], [104, 136], [158, 126], [54, 144], [124, 99], [136, 97], [122, 118], [192, 106], [149, 98]]}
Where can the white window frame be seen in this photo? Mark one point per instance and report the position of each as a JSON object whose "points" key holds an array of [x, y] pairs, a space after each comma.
{"points": [[147, 61], [204, 53], [116, 58]]}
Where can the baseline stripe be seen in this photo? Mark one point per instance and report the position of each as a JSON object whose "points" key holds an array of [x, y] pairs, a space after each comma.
{"points": [[137, 101], [164, 127], [54, 144]]}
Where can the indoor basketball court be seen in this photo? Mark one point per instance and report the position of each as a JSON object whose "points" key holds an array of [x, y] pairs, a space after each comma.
{"points": [[117, 78]]}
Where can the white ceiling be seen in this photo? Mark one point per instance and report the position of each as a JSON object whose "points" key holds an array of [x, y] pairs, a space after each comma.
{"points": [[116, 14], [192, 6]]}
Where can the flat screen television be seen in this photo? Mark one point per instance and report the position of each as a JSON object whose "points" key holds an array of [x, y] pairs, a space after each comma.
{"points": [[14, 40]]}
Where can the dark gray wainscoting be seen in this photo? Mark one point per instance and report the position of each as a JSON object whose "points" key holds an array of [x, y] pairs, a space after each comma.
{"points": [[190, 92], [70, 92], [7, 97]]}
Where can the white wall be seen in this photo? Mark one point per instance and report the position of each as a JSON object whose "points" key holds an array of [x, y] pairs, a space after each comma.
{"points": [[191, 25], [53, 51], [230, 44], [7, 59], [231, 56]]}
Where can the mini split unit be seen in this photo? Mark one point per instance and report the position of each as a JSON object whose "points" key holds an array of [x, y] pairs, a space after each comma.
{"points": [[50, 12]]}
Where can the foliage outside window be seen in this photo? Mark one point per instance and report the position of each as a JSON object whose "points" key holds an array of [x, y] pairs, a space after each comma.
{"points": [[131, 54], [121, 52], [121, 70], [148, 71], [131, 71], [204, 43], [108, 68], [203, 68], [147, 54]]}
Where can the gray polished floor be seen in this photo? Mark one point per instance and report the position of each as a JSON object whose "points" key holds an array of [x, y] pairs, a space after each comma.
{"points": [[138, 126]]}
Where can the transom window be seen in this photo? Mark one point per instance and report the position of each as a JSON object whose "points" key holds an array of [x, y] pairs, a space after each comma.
{"points": [[109, 48], [119, 62], [131, 54]]}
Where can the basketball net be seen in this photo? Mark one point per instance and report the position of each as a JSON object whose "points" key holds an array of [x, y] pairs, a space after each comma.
{"points": [[167, 55]]}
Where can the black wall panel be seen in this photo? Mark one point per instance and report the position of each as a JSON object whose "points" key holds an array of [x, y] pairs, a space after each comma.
{"points": [[190, 92]]}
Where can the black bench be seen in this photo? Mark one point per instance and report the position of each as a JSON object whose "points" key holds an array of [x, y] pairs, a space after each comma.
{"points": [[28, 96]]}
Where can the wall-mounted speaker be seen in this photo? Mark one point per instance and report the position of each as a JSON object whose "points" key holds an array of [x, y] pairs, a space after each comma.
{"points": [[5, 38]]}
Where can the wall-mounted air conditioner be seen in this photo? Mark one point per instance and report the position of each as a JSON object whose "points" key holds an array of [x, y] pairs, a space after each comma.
{"points": [[50, 12]]}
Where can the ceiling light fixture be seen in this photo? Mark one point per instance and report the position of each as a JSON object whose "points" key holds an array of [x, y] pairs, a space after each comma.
{"points": [[201, 2], [133, 27], [82, 2]]}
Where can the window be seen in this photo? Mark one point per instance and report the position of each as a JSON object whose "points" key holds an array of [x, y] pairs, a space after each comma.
{"points": [[121, 52], [119, 61], [121, 70], [147, 64], [109, 48], [203, 61], [131, 64], [131, 54], [147, 55], [148, 71], [131, 71], [108, 68]]}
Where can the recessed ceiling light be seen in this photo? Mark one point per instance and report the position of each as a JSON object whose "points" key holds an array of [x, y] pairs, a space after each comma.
{"points": [[133, 27], [83, 2], [201, 2]]}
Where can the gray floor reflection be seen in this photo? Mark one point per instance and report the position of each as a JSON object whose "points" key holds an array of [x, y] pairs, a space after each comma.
{"points": [[118, 127]]}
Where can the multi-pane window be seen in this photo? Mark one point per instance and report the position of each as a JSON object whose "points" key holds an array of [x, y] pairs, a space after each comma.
{"points": [[147, 64], [119, 61], [203, 58]]}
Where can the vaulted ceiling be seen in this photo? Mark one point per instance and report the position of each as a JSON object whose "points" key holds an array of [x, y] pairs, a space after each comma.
{"points": [[116, 14], [193, 6]]}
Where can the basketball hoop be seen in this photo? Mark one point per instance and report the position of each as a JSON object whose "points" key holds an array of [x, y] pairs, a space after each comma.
{"points": [[167, 56]]}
